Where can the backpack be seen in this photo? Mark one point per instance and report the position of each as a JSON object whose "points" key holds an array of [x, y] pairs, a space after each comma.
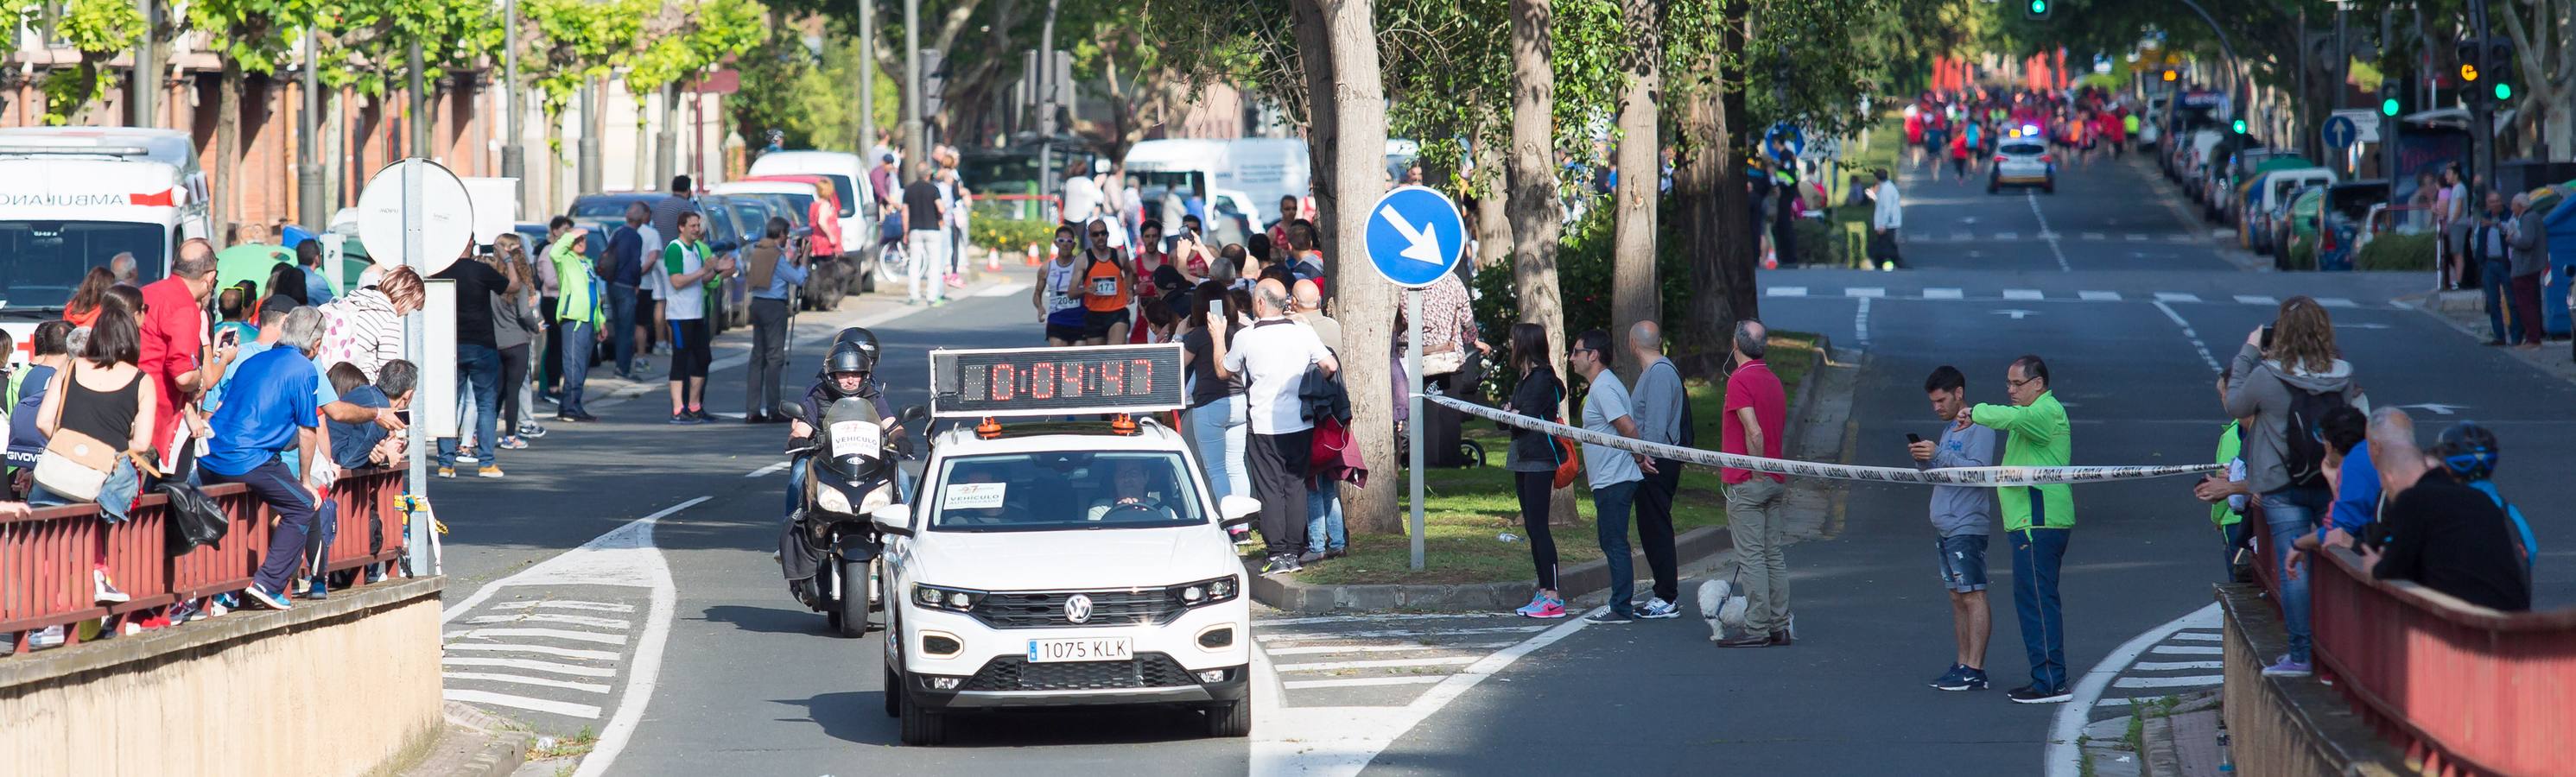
{"points": [[2303, 444], [2521, 537]]}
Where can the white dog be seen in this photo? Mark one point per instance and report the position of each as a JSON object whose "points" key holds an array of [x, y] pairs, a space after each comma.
{"points": [[1723, 607]]}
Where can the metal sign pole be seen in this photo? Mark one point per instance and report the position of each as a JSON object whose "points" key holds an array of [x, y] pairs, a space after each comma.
{"points": [[417, 480], [1413, 426]]}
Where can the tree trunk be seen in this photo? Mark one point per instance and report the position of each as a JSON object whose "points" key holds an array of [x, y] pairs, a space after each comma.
{"points": [[1530, 181], [1493, 222], [1709, 190], [1636, 294], [1338, 42], [220, 207]]}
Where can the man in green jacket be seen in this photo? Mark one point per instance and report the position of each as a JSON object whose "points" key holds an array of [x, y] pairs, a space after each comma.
{"points": [[2037, 518], [577, 311]]}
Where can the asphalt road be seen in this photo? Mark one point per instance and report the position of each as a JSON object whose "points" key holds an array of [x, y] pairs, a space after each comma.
{"points": [[628, 560]]}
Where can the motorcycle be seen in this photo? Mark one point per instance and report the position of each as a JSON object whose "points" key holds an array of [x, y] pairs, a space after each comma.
{"points": [[852, 467]]}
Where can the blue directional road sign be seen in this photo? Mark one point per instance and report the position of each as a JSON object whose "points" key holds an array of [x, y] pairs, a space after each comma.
{"points": [[2339, 131], [1414, 235]]}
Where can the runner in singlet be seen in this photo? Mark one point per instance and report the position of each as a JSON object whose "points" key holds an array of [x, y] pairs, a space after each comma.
{"points": [[1058, 310], [1106, 290]]}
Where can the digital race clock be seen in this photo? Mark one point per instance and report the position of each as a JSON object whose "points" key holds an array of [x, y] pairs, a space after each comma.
{"points": [[1048, 381]]}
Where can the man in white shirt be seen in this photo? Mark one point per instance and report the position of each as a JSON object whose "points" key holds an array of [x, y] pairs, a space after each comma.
{"points": [[1884, 221], [1082, 197], [1273, 357]]}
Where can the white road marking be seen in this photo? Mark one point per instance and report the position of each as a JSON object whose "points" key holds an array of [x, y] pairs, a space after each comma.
{"points": [[2007, 236], [623, 556], [537, 681], [1786, 291], [594, 655], [564, 708], [2189, 650], [2136, 237], [2256, 299], [2169, 682], [1004, 290], [2198, 636], [2188, 333], [553, 617], [2061, 757], [768, 470], [1297, 685], [2045, 233], [530, 665], [1312, 650], [566, 604], [1341, 741], [2176, 296], [1860, 324], [1320, 636], [1329, 666], [1865, 292], [578, 636], [2098, 296], [1942, 294], [2168, 666], [2337, 302], [2023, 294]]}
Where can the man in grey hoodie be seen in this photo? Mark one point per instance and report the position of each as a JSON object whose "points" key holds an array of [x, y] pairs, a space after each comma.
{"points": [[2287, 371], [2528, 238], [1962, 516]]}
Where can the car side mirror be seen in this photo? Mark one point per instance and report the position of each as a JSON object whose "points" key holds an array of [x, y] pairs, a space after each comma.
{"points": [[1237, 510], [793, 411], [893, 520]]}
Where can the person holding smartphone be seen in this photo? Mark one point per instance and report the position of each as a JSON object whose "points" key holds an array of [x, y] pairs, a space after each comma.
{"points": [[1962, 517]]}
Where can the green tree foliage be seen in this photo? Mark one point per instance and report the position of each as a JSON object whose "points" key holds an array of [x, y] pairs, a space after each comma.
{"points": [[252, 35], [1812, 62], [580, 40], [706, 35], [364, 43], [787, 87], [99, 30]]}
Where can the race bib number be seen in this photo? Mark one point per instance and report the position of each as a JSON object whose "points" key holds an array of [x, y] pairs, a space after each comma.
{"points": [[856, 437], [1104, 287]]}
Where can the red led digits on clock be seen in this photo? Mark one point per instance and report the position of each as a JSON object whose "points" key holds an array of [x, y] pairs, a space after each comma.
{"points": [[1042, 377], [1144, 370], [1113, 379], [1072, 380], [1005, 383]]}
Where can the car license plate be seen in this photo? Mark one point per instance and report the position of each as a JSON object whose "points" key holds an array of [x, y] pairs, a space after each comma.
{"points": [[1046, 651]]}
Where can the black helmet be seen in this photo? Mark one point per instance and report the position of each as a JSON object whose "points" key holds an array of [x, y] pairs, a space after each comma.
{"points": [[857, 337], [2468, 450], [849, 357]]}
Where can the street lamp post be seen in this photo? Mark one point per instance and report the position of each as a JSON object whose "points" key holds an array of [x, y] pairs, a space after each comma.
{"points": [[514, 161], [1046, 106], [308, 166], [867, 78], [912, 140]]}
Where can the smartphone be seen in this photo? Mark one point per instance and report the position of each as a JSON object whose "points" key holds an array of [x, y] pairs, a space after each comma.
{"points": [[2266, 343], [1216, 309], [228, 338], [1912, 438]]}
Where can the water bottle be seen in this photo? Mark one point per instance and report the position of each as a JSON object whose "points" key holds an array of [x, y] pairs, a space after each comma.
{"points": [[2226, 758], [1508, 537]]}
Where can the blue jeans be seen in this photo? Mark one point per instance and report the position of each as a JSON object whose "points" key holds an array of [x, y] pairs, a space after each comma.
{"points": [[1219, 428], [579, 341], [115, 496], [795, 486], [274, 486], [621, 328], [1610, 505], [2496, 278], [2036, 554], [2291, 513], [1324, 517], [478, 369]]}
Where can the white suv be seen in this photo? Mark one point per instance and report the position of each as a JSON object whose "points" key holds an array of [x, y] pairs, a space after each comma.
{"points": [[1062, 564]]}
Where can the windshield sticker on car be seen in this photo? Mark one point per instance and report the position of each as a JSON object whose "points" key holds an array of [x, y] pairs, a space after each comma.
{"points": [[973, 496]]}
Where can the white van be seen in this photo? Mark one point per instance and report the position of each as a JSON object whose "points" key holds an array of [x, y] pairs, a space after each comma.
{"points": [[73, 200], [848, 173], [1239, 178]]}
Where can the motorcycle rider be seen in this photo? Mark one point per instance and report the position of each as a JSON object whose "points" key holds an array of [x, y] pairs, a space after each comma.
{"points": [[847, 372]]}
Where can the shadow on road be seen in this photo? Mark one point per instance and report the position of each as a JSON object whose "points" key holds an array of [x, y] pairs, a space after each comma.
{"points": [[859, 717], [769, 620]]}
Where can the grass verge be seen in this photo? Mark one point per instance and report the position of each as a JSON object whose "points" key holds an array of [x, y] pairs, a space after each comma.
{"points": [[1466, 511]]}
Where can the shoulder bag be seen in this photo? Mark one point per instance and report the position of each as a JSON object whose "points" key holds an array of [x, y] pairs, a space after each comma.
{"points": [[74, 465]]}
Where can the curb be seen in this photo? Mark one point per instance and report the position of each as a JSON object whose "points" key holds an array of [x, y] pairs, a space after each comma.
{"points": [[473, 744], [1690, 547]]}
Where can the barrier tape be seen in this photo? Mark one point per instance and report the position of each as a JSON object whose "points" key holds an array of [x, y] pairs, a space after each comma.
{"points": [[1983, 477]]}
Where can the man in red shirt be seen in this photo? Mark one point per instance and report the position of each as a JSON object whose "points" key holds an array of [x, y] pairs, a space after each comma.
{"points": [[1755, 419], [174, 337]]}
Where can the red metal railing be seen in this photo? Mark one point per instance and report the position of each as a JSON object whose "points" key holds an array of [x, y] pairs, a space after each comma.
{"points": [[46, 555], [2465, 690]]}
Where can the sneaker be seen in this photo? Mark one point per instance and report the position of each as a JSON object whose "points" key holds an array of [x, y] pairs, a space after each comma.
{"points": [[2288, 668], [488, 471], [2039, 694], [184, 612], [447, 472], [702, 415], [530, 430], [1608, 617], [1337, 553], [105, 591], [683, 418], [48, 637], [1658, 609], [1746, 641], [1281, 564], [1309, 558], [316, 591], [513, 444], [466, 455], [1542, 606], [264, 598], [912, 301], [218, 606], [1962, 678]]}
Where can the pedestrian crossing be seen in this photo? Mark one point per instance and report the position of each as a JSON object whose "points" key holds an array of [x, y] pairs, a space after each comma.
{"points": [[1961, 236], [554, 653], [1380, 660], [1952, 294], [2185, 661]]}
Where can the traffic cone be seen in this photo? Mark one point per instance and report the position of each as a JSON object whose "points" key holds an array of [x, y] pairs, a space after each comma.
{"points": [[1770, 259], [1031, 256], [993, 260]]}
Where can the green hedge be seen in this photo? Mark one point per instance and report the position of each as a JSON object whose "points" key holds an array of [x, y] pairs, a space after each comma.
{"points": [[2397, 252], [1011, 235]]}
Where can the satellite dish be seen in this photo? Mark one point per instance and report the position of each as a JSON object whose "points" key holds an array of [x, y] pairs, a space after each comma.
{"points": [[445, 216]]}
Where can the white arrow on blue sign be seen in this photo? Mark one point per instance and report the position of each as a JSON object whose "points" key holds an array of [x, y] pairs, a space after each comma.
{"points": [[1415, 235], [2339, 132]]}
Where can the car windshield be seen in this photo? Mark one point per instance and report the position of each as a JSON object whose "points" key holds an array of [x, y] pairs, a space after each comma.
{"points": [[755, 219], [798, 206], [41, 262], [1059, 491]]}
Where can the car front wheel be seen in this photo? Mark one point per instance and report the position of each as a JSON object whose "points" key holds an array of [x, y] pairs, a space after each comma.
{"points": [[1230, 721]]}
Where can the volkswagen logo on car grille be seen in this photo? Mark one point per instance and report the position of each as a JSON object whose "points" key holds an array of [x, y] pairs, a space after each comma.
{"points": [[1078, 609]]}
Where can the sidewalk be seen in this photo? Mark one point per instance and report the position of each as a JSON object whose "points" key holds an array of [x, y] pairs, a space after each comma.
{"points": [[2466, 311]]}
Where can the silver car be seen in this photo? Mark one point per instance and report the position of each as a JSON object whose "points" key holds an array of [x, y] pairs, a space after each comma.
{"points": [[2023, 162]]}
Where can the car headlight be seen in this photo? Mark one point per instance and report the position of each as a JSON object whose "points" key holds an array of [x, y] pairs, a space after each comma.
{"points": [[941, 598], [831, 499], [1207, 592]]}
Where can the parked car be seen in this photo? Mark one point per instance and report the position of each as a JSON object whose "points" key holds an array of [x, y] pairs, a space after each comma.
{"points": [[2228, 186], [2345, 209], [604, 213], [2264, 197], [854, 201]]}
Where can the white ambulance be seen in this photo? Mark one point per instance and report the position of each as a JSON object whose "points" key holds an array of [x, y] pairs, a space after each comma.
{"points": [[72, 198]]}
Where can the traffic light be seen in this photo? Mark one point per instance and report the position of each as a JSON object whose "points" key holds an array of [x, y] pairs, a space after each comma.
{"points": [[2389, 90], [2037, 9], [2172, 76], [2473, 82], [2240, 126], [2500, 68]]}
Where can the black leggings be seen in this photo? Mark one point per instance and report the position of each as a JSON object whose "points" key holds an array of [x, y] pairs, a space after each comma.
{"points": [[514, 373], [1535, 488]]}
